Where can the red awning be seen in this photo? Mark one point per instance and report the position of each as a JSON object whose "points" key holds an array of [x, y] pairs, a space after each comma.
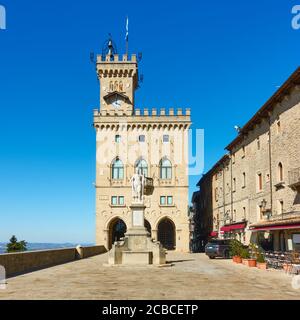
{"points": [[276, 227], [214, 234], [232, 227], [225, 229], [238, 226]]}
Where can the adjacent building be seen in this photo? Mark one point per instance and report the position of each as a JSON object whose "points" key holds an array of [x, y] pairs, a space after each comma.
{"points": [[203, 219], [255, 187], [154, 142]]}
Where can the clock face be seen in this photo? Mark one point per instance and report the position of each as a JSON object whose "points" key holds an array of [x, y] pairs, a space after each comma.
{"points": [[117, 103]]}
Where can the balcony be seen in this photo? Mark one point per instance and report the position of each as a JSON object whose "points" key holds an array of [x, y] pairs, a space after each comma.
{"points": [[149, 187], [294, 179]]}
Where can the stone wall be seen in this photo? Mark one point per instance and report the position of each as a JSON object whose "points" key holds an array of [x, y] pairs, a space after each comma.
{"points": [[86, 252], [23, 262]]}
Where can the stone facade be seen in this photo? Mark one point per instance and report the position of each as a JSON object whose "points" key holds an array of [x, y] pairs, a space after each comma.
{"points": [[255, 193], [202, 218], [128, 139]]}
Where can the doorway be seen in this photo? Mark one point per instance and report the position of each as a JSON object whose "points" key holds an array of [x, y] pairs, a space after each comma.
{"points": [[117, 230], [167, 234]]}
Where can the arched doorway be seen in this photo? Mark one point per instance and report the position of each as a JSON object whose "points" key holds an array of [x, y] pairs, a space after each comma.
{"points": [[148, 226], [117, 230], [166, 234]]}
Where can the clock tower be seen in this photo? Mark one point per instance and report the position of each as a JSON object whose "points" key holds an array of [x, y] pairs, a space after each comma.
{"points": [[152, 141], [118, 77]]}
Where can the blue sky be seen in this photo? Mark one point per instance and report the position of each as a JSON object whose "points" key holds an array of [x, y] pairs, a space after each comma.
{"points": [[223, 59]]}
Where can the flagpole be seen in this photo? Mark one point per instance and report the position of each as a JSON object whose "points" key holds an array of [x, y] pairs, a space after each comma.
{"points": [[127, 35]]}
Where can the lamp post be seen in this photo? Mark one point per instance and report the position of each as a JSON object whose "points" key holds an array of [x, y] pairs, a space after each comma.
{"points": [[264, 204], [264, 210]]}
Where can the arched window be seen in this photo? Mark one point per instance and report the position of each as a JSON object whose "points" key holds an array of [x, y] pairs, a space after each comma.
{"points": [[121, 86], [165, 169], [166, 138], [142, 138], [280, 172], [117, 138], [117, 170], [142, 167]]}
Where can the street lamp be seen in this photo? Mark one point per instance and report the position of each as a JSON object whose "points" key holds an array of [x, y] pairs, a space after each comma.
{"points": [[264, 204], [227, 216], [264, 210]]}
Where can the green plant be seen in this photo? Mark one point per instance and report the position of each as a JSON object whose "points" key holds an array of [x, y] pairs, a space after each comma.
{"points": [[260, 258], [235, 248], [245, 254], [257, 252], [16, 246]]}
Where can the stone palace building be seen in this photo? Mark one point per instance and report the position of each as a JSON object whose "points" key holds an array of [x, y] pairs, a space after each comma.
{"points": [[129, 139], [255, 187]]}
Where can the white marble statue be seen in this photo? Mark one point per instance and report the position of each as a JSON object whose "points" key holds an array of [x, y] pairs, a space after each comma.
{"points": [[138, 183]]}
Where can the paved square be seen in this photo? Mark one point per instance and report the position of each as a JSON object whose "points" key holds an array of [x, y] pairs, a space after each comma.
{"points": [[193, 276]]}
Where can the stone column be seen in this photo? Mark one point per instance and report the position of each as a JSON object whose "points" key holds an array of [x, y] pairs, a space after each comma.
{"points": [[154, 234]]}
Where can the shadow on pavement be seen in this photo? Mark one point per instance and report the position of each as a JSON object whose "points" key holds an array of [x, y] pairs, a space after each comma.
{"points": [[174, 261]]}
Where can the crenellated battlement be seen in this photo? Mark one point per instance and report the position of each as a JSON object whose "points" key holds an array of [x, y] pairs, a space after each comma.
{"points": [[162, 112], [146, 112], [118, 66], [124, 58]]}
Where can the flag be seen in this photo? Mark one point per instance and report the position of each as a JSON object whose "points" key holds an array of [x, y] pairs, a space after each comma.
{"points": [[127, 29]]}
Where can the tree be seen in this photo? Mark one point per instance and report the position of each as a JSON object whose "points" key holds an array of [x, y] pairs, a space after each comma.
{"points": [[16, 246]]}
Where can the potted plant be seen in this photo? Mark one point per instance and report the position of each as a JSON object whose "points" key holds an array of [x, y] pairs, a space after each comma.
{"points": [[235, 250], [252, 253], [238, 259], [261, 262], [245, 255], [251, 263]]}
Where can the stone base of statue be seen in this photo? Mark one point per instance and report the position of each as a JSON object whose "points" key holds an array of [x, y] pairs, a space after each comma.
{"points": [[137, 248]]}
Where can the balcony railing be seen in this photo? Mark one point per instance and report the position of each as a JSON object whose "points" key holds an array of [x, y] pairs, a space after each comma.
{"points": [[149, 187], [294, 179]]}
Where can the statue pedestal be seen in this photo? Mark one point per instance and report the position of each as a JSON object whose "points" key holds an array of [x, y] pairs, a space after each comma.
{"points": [[137, 248]]}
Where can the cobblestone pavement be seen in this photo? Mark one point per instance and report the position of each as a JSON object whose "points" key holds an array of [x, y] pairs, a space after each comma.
{"points": [[193, 276]]}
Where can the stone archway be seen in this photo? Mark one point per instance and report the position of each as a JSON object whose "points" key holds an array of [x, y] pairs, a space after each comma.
{"points": [[117, 230], [166, 233]]}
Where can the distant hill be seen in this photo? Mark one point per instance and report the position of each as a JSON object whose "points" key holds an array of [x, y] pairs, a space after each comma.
{"points": [[43, 246]]}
